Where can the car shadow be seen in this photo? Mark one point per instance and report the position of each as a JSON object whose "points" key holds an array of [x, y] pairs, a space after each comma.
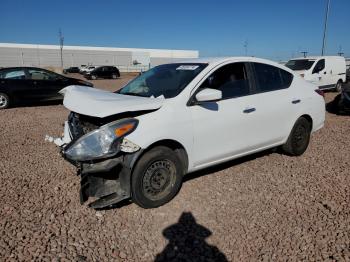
{"points": [[228, 164], [187, 242], [204, 172], [37, 103]]}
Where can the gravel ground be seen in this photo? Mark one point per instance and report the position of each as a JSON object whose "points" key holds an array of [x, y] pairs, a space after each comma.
{"points": [[263, 207]]}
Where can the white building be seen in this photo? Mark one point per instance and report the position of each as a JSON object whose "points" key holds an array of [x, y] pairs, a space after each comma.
{"points": [[126, 59]]}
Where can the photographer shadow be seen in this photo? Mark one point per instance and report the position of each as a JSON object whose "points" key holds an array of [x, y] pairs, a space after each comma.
{"points": [[187, 242]]}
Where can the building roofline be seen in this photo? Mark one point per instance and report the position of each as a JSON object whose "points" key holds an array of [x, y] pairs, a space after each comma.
{"points": [[153, 52]]}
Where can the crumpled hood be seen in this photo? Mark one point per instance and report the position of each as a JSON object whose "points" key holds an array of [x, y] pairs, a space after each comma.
{"points": [[99, 103]]}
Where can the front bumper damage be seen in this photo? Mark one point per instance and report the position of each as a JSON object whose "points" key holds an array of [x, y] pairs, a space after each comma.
{"points": [[107, 181]]}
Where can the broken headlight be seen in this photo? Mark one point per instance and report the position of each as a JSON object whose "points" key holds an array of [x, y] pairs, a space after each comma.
{"points": [[101, 143]]}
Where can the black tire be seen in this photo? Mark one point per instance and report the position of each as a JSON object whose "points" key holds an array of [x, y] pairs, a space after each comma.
{"points": [[156, 178], [93, 77], [4, 101], [114, 76], [299, 138], [338, 86]]}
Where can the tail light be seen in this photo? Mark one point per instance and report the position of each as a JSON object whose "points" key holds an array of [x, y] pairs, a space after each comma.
{"points": [[320, 92]]}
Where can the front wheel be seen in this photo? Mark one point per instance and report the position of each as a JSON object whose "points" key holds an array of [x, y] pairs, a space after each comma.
{"points": [[93, 77], [157, 177], [114, 76], [299, 138], [4, 101]]}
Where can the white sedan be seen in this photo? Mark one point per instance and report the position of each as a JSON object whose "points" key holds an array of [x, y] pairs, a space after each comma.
{"points": [[177, 118]]}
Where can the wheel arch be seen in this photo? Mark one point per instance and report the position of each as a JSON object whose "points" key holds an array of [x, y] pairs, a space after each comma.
{"points": [[308, 118], [176, 146]]}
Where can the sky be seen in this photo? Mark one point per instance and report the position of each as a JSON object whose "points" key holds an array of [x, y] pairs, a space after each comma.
{"points": [[274, 29]]}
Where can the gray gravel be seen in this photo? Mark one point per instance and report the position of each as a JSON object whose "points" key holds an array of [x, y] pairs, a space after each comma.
{"points": [[263, 207]]}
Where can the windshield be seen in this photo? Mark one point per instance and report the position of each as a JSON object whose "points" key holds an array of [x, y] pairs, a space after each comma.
{"points": [[167, 80], [300, 64]]}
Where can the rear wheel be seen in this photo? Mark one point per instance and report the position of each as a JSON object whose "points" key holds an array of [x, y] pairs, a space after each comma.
{"points": [[4, 101], [338, 86], [299, 138], [157, 177]]}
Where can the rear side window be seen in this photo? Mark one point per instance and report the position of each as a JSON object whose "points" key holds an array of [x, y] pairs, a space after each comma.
{"points": [[231, 79], [271, 78], [12, 74]]}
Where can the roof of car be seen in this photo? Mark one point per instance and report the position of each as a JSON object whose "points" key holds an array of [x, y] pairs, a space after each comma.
{"points": [[210, 60], [219, 60], [313, 57]]}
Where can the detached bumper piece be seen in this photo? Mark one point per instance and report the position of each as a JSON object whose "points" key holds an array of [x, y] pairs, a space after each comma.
{"points": [[109, 181]]}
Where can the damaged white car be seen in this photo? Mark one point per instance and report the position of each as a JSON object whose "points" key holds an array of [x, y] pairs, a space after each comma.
{"points": [[177, 118]]}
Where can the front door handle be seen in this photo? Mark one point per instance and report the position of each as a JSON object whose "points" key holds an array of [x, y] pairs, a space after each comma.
{"points": [[296, 101], [249, 110]]}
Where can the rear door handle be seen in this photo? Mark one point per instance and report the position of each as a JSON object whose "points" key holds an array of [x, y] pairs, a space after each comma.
{"points": [[296, 101], [249, 110]]}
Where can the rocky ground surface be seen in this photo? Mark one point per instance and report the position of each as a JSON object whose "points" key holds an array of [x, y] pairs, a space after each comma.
{"points": [[264, 207]]}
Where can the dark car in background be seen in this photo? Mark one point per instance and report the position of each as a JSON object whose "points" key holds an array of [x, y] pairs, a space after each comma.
{"points": [[103, 72], [72, 69], [343, 100], [25, 84]]}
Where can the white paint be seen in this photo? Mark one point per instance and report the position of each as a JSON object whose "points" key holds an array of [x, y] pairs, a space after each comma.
{"points": [[99, 103], [334, 70], [215, 132]]}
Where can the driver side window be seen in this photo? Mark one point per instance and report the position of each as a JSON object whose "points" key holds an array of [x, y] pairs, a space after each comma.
{"points": [[319, 66], [230, 79]]}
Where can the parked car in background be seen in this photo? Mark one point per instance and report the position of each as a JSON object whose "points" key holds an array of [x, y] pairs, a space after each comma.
{"points": [[341, 103], [71, 70], [103, 72], [327, 72], [348, 73], [24, 84], [89, 69], [82, 68], [182, 117]]}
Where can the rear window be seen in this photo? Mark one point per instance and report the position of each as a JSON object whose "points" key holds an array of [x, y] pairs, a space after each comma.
{"points": [[271, 78], [300, 64]]}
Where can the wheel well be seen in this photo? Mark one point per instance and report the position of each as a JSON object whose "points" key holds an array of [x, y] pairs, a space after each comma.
{"points": [[308, 118], [178, 148]]}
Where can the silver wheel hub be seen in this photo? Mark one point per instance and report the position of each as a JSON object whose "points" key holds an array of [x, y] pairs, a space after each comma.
{"points": [[3, 101]]}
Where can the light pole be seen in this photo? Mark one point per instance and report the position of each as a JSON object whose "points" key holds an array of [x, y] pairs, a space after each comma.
{"points": [[325, 28], [61, 46]]}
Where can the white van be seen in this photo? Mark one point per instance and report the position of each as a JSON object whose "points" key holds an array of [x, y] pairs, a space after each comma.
{"points": [[327, 72]]}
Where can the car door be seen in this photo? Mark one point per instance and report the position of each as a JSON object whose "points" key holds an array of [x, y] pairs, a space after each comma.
{"points": [[319, 74], [13, 82], [276, 104], [46, 83], [227, 127]]}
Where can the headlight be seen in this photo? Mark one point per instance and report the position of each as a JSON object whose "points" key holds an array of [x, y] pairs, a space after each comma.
{"points": [[101, 143]]}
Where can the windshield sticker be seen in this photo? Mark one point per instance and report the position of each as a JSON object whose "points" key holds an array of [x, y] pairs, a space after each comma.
{"points": [[187, 67]]}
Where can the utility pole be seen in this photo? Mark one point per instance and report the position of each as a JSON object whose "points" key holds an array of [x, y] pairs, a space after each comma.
{"points": [[245, 45], [325, 28], [304, 53], [61, 38], [340, 53]]}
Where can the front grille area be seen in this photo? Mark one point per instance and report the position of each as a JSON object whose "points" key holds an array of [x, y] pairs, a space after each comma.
{"points": [[80, 125]]}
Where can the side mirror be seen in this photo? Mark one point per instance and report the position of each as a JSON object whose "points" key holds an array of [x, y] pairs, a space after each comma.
{"points": [[208, 94]]}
